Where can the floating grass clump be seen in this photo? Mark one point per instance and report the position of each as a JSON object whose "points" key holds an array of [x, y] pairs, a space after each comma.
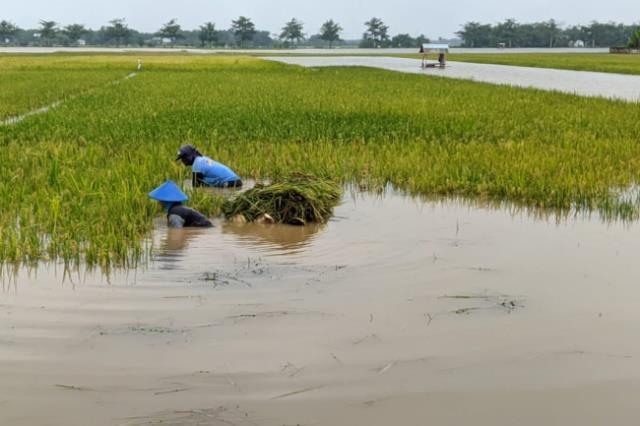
{"points": [[296, 200]]}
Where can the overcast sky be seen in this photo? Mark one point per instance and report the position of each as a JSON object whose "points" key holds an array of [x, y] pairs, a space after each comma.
{"points": [[431, 18]]}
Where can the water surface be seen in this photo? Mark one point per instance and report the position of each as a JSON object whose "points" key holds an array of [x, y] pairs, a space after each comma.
{"points": [[397, 311], [583, 83]]}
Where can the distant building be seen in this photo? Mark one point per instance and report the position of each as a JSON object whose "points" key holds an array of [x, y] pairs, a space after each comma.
{"points": [[82, 42]]}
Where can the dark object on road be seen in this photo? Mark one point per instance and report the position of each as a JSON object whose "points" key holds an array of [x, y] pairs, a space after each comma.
{"points": [[441, 49]]}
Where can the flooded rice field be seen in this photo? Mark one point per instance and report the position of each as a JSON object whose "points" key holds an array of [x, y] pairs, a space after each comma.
{"points": [[583, 83], [397, 311]]}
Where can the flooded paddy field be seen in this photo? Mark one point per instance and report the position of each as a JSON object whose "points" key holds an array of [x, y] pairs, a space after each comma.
{"points": [[484, 68], [582, 61], [397, 310], [424, 135], [29, 84]]}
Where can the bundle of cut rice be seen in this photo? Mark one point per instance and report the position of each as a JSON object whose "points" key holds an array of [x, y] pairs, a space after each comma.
{"points": [[296, 200]]}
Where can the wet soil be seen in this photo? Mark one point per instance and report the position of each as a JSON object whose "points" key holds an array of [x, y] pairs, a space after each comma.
{"points": [[397, 311]]}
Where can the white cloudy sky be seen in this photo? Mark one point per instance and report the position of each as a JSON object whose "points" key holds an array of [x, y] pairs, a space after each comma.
{"points": [[414, 16]]}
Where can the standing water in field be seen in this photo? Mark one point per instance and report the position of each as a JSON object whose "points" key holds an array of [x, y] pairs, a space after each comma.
{"points": [[396, 311], [583, 83]]}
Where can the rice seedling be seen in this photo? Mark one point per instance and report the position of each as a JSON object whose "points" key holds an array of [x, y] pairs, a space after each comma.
{"points": [[295, 200], [74, 181]]}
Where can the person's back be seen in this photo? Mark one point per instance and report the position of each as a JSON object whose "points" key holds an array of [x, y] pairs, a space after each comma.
{"points": [[180, 216], [206, 171], [171, 198], [213, 173]]}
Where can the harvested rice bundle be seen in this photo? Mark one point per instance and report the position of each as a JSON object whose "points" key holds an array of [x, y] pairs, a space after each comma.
{"points": [[296, 200]]}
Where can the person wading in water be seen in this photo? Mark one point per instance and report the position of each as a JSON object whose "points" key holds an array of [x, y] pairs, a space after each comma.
{"points": [[178, 215], [207, 172]]}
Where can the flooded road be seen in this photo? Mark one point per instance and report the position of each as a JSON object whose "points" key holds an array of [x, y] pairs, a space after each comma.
{"points": [[397, 311], [583, 83]]}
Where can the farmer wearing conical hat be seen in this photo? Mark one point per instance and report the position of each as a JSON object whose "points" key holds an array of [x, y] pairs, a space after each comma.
{"points": [[178, 215], [207, 172]]}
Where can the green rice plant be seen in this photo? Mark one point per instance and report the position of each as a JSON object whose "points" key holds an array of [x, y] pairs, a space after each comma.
{"points": [[295, 200], [29, 82], [207, 201], [74, 181]]}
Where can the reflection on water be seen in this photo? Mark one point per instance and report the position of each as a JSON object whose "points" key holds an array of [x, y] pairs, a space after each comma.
{"points": [[388, 230], [288, 239], [173, 245], [177, 240], [189, 248], [194, 248]]}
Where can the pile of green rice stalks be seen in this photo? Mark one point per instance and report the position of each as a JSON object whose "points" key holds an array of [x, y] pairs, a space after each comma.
{"points": [[296, 200]]}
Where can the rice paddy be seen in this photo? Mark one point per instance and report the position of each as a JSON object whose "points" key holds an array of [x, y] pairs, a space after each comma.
{"points": [[73, 181], [29, 83]]}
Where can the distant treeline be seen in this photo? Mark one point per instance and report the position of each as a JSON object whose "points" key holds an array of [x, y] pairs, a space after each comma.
{"points": [[242, 33], [546, 34]]}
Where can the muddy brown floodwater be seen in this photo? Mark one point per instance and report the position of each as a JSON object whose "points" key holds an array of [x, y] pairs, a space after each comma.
{"points": [[397, 312]]}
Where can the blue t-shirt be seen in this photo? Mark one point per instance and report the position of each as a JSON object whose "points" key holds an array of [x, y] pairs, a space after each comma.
{"points": [[215, 174]]}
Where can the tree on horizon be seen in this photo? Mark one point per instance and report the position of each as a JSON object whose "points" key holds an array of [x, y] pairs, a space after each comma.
{"points": [[8, 31], [118, 31], [48, 31], [330, 32], [377, 33], [74, 32], [244, 30], [292, 31], [634, 41], [170, 30], [208, 34]]}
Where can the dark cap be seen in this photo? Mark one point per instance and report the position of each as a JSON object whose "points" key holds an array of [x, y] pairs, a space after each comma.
{"points": [[187, 151]]}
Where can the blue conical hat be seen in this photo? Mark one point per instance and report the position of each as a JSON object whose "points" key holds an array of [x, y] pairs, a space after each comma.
{"points": [[168, 192]]}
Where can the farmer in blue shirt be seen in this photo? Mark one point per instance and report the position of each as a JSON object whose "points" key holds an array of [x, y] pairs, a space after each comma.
{"points": [[207, 172]]}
